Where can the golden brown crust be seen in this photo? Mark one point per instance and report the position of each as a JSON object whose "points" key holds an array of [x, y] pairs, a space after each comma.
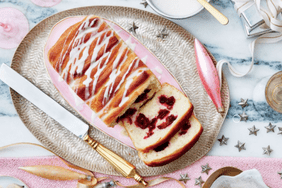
{"points": [[178, 153], [172, 132]]}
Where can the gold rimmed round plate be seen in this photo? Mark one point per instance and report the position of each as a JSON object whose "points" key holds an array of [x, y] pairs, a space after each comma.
{"points": [[176, 52]]}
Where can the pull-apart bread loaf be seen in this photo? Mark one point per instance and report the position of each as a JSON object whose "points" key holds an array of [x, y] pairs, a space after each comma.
{"points": [[158, 120], [179, 144], [108, 76], [101, 69]]}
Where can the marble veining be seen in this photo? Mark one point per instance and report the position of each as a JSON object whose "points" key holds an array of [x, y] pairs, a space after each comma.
{"points": [[260, 111], [276, 65], [222, 3], [33, 12]]}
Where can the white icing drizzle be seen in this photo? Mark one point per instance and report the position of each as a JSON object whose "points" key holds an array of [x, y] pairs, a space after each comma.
{"points": [[78, 64], [60, 79], [124, 76], [144, 59], [130, 44], [159, 70], [98, 46], [137, 64], [98, 73], [118, 31], [159, 77], [99, 68], [62, 57], [75, 62], [129, 80], [114, 74], [88, 78]]}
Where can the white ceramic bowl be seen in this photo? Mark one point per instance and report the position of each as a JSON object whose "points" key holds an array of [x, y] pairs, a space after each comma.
{"points": [[168, 8]]}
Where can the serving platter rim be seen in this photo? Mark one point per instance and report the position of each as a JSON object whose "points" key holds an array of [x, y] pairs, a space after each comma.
{"points": [[13, 93]]}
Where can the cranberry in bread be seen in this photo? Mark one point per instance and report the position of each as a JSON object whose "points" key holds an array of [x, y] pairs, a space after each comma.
{"points": [[101, 69], [179, 144], [158, 120]]}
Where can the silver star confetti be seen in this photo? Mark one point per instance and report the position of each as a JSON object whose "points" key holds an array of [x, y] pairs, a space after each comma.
{"points": [[243, 103], [133, 28], [243, 116], [206, 168], [163, 34], [184, 178], [223, 140], [240, 146], [270, 128], [199, 181], [280, 130], [267, 151], [280, 173], [144, 3], [253, 130]]}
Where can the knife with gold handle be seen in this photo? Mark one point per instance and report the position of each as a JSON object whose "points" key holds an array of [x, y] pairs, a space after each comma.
{"points": [[121, 165], [66, 119], [218, 15]]}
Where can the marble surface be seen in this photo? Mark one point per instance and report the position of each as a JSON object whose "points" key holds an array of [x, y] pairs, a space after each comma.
{"points": [[224, 42]]}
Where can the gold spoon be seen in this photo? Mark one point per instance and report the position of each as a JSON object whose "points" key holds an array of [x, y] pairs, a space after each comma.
{"points": [[218, 15]]}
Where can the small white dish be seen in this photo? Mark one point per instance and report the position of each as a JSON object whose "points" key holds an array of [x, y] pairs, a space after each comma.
{"points": [[176, 9], [249, 178], [5, 181]]}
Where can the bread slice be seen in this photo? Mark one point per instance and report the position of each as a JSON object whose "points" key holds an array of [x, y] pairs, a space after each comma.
{"points": [[179, 144], [100, 68], [159, 119]]}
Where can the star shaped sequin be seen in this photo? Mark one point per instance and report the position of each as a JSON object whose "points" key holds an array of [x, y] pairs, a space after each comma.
{"points": [[280, 173], [223, 140], [243, 116], [280, 130], [253, 130], [240, 146], [144, 3], [243, 103], [206, 168], [163, 34], [270, 128], [199, 181], [267, 151], [133, 28], [184, 178]]}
